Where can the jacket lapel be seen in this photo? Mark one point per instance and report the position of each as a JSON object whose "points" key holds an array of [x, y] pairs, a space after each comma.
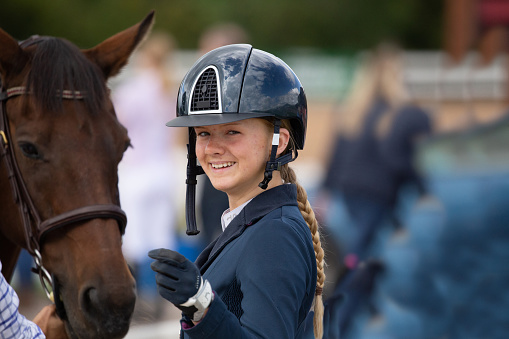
{"points": [[233, 231], [261, 205]]}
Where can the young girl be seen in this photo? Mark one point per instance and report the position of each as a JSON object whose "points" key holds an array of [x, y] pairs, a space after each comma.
{"points": [[246, 112]]}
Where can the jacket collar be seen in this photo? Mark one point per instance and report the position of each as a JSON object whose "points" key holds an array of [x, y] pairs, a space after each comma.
{"points": [[261, 205]]}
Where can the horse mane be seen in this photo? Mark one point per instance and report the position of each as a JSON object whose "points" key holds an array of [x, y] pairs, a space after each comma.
{"points": [[59, 65]]}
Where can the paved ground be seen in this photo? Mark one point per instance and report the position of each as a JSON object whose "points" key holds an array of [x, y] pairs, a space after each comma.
{"points": [[160, 330]]}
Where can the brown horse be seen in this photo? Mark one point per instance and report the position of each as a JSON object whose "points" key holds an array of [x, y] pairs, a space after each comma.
{"points": [[61, 144]]}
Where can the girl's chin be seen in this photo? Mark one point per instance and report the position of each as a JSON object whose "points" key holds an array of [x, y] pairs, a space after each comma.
{"points": [[219, 185]]}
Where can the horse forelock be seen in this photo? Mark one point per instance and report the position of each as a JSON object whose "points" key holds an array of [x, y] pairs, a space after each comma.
{"points": [[59, 65]]}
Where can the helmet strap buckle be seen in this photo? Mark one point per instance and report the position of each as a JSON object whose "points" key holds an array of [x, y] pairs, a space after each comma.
{"points": [[275, 164]]}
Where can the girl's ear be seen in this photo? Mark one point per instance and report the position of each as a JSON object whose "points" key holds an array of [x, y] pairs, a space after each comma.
{"points": [[284, 139]]}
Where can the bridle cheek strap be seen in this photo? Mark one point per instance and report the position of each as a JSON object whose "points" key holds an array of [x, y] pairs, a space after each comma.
{"points": [[19, 190]]}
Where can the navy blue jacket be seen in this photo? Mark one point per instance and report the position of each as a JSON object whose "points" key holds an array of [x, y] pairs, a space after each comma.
{"points": [[262, 269]]}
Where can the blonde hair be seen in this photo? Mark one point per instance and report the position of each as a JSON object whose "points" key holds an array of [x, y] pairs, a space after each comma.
{"points": [[288, 175], [380, 74]]}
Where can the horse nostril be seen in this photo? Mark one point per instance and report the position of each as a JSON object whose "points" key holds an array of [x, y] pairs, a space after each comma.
{"points": [[94, 301], [107, 309], [90, 298]]}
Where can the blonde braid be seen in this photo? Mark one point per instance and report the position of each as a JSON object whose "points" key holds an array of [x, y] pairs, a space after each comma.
{"points": [[288, 175]]}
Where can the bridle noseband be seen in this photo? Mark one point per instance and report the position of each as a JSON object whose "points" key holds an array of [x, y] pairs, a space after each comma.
{"points": [[35, 228]]}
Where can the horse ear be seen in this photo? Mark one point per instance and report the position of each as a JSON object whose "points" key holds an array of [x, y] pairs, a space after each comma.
{"points": [[113, 53], [12, 57]]}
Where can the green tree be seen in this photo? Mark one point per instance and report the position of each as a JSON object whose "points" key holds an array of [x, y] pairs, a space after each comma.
{"points": [[344, 25]]}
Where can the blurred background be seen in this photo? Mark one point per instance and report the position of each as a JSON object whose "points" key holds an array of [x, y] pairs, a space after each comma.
{"points": [[407, 104]]}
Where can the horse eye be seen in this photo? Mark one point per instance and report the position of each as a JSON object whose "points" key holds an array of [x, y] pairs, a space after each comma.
{"points": [[29, 150]]}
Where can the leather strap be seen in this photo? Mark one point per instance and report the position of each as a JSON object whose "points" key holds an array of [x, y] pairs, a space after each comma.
{"points": [[82, 214], [192, 171], [19, 190]]}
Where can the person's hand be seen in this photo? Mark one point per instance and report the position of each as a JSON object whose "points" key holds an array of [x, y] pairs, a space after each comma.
{"points": [[180, 282], [51, 325]]}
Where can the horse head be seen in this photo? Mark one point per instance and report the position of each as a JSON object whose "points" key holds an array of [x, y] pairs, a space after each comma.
{"points": [[66, 142]]}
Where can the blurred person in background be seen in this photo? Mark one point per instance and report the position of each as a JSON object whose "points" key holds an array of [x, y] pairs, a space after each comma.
{"points": [[213, 202], [373, 156], [143, 101], [371, 167]]}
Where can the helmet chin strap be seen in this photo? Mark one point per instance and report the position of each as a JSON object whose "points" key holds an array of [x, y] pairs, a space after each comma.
{"points": [[192, 171], [275, 164]]}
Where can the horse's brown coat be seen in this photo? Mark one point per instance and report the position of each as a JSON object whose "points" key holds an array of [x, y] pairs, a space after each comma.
{"points": [[79, 144]]}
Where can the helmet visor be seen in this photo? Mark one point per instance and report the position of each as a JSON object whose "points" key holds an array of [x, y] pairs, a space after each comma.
{"points": [[194, 120]]}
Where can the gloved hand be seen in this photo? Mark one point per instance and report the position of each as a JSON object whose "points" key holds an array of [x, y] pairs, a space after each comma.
{"points": [[179, 281]]}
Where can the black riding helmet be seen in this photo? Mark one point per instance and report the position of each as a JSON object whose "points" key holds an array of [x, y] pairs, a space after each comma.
{"points": [[233, 83]]}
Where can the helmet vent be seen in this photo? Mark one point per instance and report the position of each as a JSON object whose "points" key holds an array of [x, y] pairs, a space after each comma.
{"points": [[205, 93]]}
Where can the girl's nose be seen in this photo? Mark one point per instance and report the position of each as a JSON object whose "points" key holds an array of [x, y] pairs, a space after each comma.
{"points": [[214, 145]]}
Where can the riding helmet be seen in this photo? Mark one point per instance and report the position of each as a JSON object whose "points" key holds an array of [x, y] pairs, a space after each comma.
{"points": [[233, 83], [237, 82]]}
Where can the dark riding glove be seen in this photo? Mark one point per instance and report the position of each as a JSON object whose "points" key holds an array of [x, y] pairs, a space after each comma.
{"points": [[179, 281]]}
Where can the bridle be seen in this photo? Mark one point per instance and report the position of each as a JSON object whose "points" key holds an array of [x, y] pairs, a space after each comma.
{"points": [[35, 229]]}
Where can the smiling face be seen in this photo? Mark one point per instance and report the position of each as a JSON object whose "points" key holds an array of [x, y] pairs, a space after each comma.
{"points": [[234, 156]]}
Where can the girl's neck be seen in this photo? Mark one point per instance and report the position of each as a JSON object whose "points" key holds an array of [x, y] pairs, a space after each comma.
{"points": [[235, 200]]}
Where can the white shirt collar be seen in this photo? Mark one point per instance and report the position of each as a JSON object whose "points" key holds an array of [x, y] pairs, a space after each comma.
{"points": [[228, 215]]}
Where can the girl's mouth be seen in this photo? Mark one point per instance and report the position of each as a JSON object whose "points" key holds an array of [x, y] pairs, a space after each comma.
{"points": [[222, 165]]}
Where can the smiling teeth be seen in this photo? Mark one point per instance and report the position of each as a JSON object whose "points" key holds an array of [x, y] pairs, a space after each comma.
{"points": [[227, 164]]}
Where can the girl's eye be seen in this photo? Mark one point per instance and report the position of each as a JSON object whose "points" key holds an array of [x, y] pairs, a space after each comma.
{"points": [[233, 132], [202, 134]]}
